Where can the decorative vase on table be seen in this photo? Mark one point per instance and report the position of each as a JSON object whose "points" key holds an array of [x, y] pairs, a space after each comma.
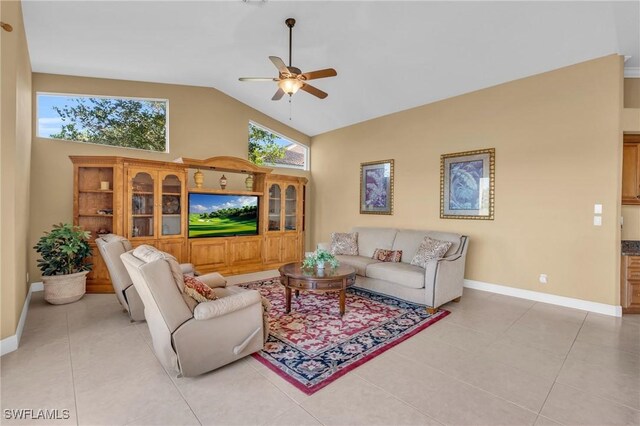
{"points": [[64, 268]]}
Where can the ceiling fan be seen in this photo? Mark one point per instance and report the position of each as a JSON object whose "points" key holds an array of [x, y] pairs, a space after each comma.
{"points": [[291, 79]]}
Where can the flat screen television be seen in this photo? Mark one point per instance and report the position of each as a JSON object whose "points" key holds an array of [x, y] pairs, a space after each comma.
{"points": [[214, 215]]}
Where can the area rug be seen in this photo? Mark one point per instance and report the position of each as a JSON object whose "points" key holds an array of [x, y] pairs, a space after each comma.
{"points": [[313, 346]]}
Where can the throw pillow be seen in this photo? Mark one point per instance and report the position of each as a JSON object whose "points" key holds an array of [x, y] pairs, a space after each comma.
{"points": [[384, 255], [198, 290], [344, 243], [430, 249]]}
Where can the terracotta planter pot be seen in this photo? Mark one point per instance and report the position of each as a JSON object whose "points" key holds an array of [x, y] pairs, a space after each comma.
{"points": [[61, 289]]}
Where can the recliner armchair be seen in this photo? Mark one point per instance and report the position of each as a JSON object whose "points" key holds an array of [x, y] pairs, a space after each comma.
{"points": [[193, 338], [111, 246]]}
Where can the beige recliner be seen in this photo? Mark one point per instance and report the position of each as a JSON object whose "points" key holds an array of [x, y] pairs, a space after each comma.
{"points": [[111, 246], [188, 337]]}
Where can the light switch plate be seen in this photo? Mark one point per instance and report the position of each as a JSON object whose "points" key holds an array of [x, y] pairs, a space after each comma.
{"points": [[597, 209], [597, 221]]}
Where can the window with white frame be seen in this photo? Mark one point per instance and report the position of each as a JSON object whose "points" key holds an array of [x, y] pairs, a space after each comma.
{"points": [[115, 121], [270, 148]]}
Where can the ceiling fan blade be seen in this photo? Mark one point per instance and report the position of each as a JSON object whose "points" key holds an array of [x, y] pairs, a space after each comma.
{"points": [[278, 95], [314, 91], [329, 72], [257, 79], [282, 68]]}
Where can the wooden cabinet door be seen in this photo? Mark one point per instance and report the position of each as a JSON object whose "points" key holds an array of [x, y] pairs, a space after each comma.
{"points": [[98, 280], [272, 248], [141, 204], [172, 204], [176, 248], [630, 184], [245, 250], [290, 248], [209, 254]]}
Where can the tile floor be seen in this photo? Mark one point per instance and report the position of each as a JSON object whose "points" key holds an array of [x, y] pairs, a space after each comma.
{"points": [[495, 360]]}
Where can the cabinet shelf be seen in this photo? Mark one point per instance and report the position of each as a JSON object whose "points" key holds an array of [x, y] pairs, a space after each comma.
{"points": [[171, 214], [141, 215], [95, 191], [224, 191], [171, 193], [142, 192], [94, 215]]}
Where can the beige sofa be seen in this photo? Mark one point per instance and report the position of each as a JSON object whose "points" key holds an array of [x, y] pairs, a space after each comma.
{"points": [[440, 282]]}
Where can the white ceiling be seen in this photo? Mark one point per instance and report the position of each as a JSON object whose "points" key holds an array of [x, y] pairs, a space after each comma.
{"points": [[390, 56]]}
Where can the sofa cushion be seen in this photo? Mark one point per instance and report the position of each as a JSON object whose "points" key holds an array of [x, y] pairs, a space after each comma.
{"points": [[344, 243], [430, 249], [408, 241], [369, 239], [359, 262], [384, 255], [399, 273], [198, 290], [453, 238]]}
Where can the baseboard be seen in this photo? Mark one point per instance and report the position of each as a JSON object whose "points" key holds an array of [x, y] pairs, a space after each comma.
{"points": [[10, 344], [569, 302]]}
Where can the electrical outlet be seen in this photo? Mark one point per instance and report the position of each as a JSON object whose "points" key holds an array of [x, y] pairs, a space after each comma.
{"points": [[543, 278]]}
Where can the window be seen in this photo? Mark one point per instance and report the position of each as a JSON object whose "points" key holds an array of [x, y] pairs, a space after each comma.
{"points": [[122, 122], [270, 148]]}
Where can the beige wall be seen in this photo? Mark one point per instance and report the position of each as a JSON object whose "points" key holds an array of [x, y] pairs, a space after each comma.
{"points": [[558, 152], [15, 153], [632, 92], [203, 122]]}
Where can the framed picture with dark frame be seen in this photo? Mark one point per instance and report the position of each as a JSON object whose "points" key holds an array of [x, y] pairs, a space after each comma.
{"points": [[376, 187], [467, 184]]}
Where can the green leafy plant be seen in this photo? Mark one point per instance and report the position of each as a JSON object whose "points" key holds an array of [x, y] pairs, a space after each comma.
{"points": [[320, 256], [64, 250]]}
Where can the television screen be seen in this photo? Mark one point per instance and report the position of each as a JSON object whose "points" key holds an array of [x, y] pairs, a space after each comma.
{"points": [[213, 215]]}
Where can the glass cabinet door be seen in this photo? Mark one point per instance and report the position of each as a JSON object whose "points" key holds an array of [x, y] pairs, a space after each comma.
{"points": [[274, 208], [290, 208], [171, 205], [142, 205]]}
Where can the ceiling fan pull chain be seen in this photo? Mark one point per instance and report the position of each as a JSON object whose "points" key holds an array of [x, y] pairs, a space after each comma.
{"points": [[290, 109]]}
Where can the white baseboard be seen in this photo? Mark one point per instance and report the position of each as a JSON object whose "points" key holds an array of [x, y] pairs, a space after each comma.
{"points": [[10, 344], [569, 302]]}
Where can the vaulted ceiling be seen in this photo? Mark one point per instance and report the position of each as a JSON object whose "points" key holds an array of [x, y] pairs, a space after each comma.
{"points": [[390, 56]]}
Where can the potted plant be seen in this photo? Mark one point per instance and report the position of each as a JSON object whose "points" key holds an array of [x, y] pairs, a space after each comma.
{"points": [[318, 260], [64, 268]]}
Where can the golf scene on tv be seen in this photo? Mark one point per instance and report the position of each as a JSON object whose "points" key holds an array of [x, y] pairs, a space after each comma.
{"points": [[212, 215]]}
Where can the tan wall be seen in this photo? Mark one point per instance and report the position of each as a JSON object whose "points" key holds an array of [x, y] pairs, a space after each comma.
{"points": [[203, 122], [558, 152], [15, 153], [632, 92]]}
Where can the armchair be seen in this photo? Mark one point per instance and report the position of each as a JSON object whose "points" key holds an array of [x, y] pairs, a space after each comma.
{"points": [[111, 247], [193, 339]]}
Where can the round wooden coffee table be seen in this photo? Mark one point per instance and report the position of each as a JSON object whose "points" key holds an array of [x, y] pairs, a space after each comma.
{"points": [[295, 278]]}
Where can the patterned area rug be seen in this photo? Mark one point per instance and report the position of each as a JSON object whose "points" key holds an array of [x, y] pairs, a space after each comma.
{"points": [[312, 346]]}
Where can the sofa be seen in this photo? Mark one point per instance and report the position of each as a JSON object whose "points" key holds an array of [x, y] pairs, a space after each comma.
{"points": [[440, 282]]}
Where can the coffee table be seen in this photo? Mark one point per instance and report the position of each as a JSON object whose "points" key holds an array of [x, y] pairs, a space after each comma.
{"points": [[295, 278]]}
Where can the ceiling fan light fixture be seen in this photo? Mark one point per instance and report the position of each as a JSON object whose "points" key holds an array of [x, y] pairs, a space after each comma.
{"points": [[290, 85]]}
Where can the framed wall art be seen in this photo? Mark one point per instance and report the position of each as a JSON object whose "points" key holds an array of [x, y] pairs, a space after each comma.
{"points": [[467, 184], [376, 187]]}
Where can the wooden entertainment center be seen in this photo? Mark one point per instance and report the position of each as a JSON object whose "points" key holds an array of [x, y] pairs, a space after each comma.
{"points": [[146, 201]]}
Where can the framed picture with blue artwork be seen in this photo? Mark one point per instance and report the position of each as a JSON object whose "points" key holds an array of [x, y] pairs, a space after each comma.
{"points": [[376, 187], [467, 184]]}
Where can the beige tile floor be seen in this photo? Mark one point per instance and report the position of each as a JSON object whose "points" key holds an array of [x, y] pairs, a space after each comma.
{"points": [[495, 360]]}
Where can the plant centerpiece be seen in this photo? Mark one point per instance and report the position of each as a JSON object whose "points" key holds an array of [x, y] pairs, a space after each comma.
{"points": [[64, 267], [318, 260]]}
